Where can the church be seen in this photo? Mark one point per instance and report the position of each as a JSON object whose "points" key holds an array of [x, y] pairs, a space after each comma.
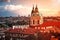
{"points": [[36, 17]]}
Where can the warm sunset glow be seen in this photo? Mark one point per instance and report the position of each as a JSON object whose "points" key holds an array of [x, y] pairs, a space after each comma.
{"points": [[20, 8], [24, 7]]}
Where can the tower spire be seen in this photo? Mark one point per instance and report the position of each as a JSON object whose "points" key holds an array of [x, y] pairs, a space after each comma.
{"points": [[36, 9], [33, 9]]}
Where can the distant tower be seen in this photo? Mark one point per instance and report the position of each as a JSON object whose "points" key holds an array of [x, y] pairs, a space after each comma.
{"points": [[35, 17]]}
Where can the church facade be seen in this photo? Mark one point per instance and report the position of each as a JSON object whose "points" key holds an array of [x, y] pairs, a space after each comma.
{"points": [[36, 17]]}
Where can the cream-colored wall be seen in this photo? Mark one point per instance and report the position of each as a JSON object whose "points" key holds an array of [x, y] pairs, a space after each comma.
{"points": [[35, 18]]}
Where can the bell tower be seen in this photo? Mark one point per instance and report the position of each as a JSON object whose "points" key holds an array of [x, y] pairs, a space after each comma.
{"points": [[35, 17], [36, 9]]}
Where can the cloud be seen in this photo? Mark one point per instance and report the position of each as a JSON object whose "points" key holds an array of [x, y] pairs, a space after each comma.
{"points": [[18, 9], [24, 7], [4, 0], [13, 7]]}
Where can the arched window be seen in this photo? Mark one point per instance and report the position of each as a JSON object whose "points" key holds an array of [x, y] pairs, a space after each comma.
{"points": [[33, 22], [38, 22]]}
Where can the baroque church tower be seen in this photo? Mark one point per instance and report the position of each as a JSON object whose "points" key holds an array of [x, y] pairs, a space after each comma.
{"points": [[35, 18]]}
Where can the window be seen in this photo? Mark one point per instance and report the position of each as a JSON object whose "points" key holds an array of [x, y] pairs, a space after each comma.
{"points": [[33, 22], [35, 27], [38, 27], [38, 22]]}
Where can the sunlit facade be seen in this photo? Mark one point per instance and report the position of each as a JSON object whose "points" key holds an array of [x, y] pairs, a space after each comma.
{"points": [[36, 17]]}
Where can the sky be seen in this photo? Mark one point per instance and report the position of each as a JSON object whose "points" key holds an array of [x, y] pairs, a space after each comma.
{"points": [[24, 7]]}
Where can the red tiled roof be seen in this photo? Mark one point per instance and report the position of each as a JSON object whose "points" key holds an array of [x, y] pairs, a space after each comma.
{"points": [[32, 30], [51, 23], [29, 31], [48, 23], [24, 31]]}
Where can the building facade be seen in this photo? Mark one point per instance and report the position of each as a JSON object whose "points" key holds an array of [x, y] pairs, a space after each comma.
{"points": [[35, 18]]}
